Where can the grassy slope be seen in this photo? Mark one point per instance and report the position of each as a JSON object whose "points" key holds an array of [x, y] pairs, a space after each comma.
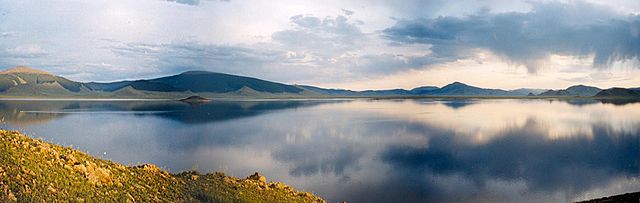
{"points": [[627, 198], [35, 171]]}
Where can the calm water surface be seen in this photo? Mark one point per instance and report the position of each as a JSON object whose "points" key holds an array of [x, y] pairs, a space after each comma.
{"points": [[366, 150]]}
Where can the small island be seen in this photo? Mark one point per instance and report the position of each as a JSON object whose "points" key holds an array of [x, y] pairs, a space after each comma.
{"points": [[195, 99], [32, 170]]}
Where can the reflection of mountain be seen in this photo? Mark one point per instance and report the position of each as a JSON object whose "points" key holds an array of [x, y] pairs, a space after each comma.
{"points": [[571, 165], [29, 112], [582, 102], [218, 111], [458, 103], [585, 101], [22, 113], [620, 101]]}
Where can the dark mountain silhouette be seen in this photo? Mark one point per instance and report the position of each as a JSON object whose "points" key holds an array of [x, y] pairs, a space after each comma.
{"points": [[423, 89], [617, 92], [576, 90], [528, 91], [461, 89]]}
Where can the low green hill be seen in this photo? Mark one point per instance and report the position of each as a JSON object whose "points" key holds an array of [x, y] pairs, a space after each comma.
{"points": [[203, 81], [26, 81], [35, 171]]}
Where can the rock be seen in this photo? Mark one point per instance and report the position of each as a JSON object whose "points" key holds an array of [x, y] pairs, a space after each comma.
{"points": [[195, 100], [94, 173], [51, 189], [258, 177], [12, 197], [277, 185]]}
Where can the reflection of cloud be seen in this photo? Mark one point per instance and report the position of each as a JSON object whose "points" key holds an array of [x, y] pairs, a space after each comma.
{"points": [[311, 158], [487, 118], [572, 165]]}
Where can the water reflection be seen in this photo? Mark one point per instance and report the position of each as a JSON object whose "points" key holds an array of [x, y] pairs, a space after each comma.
{"points": [[368, 151], [522, 154]]}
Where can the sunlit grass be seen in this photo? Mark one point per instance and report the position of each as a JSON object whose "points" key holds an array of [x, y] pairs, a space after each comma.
{"points": [[35, 171]]}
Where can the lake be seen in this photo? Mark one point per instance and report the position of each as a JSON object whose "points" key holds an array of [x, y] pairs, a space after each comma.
{"points": [[423, 150]]}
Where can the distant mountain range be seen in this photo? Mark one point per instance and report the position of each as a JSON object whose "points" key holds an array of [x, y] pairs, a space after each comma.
{"points": [[29, 82], [576, 90]]}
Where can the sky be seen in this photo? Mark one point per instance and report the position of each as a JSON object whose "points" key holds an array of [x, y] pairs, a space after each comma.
{"points": [[356, 44]]}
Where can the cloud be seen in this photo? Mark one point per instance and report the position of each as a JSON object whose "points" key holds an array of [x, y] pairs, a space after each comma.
{"points": [[6, 34], [26, 51], [529, 38], [190, 2], [337, 45], [313, 48], [347, 12], [181, 56], [322, 35]]}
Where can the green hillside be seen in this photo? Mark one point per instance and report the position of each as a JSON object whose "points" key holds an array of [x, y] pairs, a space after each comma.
{"points": [[36, 171], [27, 81], [203, 81]]}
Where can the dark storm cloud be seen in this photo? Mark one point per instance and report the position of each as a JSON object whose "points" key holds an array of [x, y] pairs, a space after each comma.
{"points": [[335, 42], [577, 29]]}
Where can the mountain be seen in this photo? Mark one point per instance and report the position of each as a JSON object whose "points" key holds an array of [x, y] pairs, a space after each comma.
{"points": [[461, 89], [199, 81], [203, 81], [391, 92], [617, 92], [527, 91], [29, 82], [576, 90], [333, 92], [422, 90], [26, 81], [107, 86], [351, 93], [583, 91], [556, 93]]}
